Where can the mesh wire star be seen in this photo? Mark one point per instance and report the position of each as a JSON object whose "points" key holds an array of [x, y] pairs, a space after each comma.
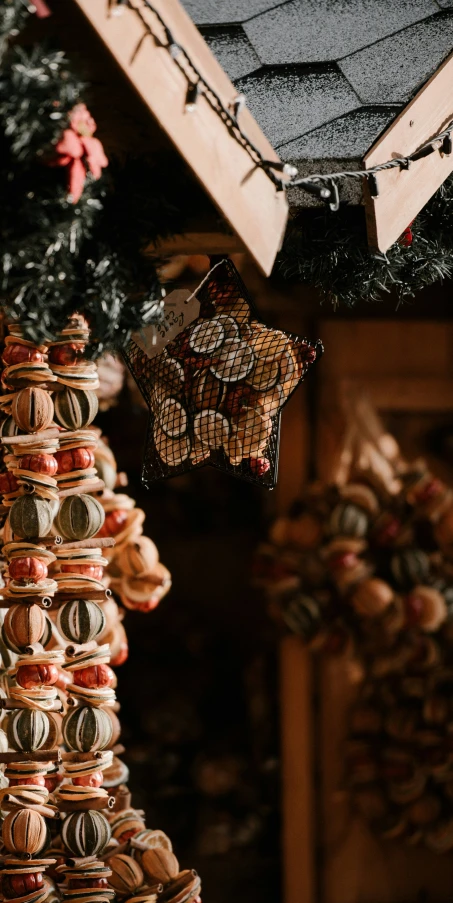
{"points": [[215, 393]]}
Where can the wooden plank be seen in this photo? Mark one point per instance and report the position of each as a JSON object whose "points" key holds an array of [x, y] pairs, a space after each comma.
{"points": [[246, 197], [386, 348], [407, 393], [296, 677], [196, 243], [297, 771], [403, 193]]}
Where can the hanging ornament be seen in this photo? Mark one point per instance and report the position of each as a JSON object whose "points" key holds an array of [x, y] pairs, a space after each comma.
{"points": [[215, 391]]}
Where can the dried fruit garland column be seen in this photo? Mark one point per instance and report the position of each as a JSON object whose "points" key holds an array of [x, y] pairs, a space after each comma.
{"points": [[48, 466], [30, 491], [135, 573], [43, 468]]}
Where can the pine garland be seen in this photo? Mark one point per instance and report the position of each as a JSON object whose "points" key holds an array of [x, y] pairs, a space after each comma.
{"points": [[59, 256], [330, 252]]}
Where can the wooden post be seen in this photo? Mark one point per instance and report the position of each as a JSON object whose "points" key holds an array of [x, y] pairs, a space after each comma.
{"points": [[296, 665], [297, 771]]}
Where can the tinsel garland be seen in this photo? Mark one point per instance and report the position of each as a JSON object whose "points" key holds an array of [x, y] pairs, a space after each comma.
{"points": [[330, 252], [59, 256]]}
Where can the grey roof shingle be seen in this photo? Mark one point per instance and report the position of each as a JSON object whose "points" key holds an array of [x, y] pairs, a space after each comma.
{"points": [[324, 78], [317, 31], [225, 12], [411, 56], [347, 136], [233, 50], [288, 102]]}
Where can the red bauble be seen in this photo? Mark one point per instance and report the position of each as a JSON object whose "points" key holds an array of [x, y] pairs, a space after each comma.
{"points": [[96, 779], [123, 838], [38, 781], [88, 570], [260, 466], [20, 885], [150, 605], [121, 656], [429, 491], [74, 459], [342, 561], [8, 482], [27, 569], [389, 531], [29, 676], [52, 782], [114, 522], [88, 882], [414, 607], [94, 677], [70, 353], [19, 354], [39, 464]]}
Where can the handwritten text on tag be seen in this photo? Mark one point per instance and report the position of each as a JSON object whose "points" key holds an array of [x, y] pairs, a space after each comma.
{"points": [[178, 313]]}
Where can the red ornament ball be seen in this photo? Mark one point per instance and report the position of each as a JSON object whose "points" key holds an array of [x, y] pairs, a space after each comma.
{"points": [[144, 607], [123, 838], [70, 353], [74, 459], [114, 522], [414, 608], [21, 885], [8, 482], [94, 677], [121, 656], [88, 570], [20, 354], [43, 463], [96, 779], [29, 676], [52, 782], [37, 781], [27, 569]]}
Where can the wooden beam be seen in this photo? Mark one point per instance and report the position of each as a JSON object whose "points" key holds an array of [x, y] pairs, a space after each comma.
{"points": [[196, 243], [404, 192], [394, 393], [297, 771]]}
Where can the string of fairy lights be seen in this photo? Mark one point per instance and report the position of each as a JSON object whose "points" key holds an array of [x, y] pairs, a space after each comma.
{"points": [[284, 175]]}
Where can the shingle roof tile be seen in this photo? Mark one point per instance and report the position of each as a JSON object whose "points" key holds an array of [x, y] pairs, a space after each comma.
{"points": [[290, 101], [347, 136], [325, 77], [233, 50], [392, 70], [225, 12], [314, 31]]}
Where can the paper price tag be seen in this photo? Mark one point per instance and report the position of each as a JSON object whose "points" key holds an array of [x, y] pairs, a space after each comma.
{"points": [[179, 312]]}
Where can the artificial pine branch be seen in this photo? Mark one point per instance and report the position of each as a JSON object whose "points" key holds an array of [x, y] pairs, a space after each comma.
{"points": [[330, 251], [57, 256]]}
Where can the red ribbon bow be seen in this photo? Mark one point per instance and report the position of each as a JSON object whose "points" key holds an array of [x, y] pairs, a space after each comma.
{"points": [[79, 151]]}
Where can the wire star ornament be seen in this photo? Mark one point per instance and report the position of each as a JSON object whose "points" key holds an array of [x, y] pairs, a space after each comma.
{"points": [[216, 392]]}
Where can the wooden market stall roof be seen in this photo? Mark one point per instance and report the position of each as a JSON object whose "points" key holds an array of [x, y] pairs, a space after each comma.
{"points": [[325, 79], [162, 56]]}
